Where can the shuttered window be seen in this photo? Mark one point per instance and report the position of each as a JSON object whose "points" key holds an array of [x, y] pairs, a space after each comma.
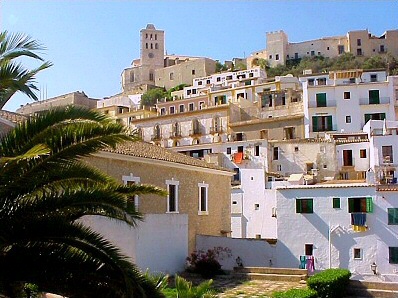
{"points": [[374, 97], [393, 255], [392, 216], [360, 205], [304, 206], [321, 100]]}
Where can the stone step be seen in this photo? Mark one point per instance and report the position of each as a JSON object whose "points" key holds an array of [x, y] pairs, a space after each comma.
{"points": [[357, 292], [373, 289], [273, 277], [271, 270]]}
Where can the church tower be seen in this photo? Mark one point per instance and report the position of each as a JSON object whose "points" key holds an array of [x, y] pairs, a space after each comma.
{"points": [[152, 51]]}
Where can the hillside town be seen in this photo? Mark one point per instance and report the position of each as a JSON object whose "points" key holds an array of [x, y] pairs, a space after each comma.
{"points": [[286, 171]]}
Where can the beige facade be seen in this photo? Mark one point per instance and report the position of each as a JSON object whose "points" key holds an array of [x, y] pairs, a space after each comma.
{"points": [[360, 43], [78, 99], [149, 164], [184, 72]]}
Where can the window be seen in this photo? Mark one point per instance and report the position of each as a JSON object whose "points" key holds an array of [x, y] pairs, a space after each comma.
{"points": [[373, 77], [193, 72], [359, 42], [279, 168], [309, 249], [374, 97], [146, 45], [207, 82], [200, 83], [191, 106], [277, 57], [296, 149], [347, 94], [352, 80], [156, 37], [270, 57], [201, 105], [393, 255], [151, 78], [256, 206], [296, 56], [304, 206], [276, 153], [347, 119], [363, 204], [151, 46], [387, 154], [357, 253], [375, 116], [156, 46], [312, 53], [163, 111], [340, 49], [257, 150], [172, 197], [336, 203], [362, 153], [131, 76], [322, 123], [322, 81], [203, 198], [311, 82], [359, 52], [392, 216], [171, 76], [182, 108], [236, 176], [382, 48], [172, 110], [321, 100], [132, 180]]}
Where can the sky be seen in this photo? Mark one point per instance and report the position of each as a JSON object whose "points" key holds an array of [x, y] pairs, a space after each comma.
{"points": [[91, 42]]}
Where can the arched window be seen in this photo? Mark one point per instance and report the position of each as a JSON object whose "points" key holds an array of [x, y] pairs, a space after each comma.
{"points": [[156, 132], [176, 143], [151, 78], [156, 46], [195, 142]]}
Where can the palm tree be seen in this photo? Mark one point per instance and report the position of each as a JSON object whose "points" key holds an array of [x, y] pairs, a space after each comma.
{"points": [[14, 76], [45, 188]]}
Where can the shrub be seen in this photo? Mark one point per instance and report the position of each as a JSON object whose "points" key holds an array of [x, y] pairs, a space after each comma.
{"points": [[207, 263], [330, 283], [296, 293]]}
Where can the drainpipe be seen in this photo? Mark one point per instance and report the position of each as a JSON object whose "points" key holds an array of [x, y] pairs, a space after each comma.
{"points": [[330, 245]]}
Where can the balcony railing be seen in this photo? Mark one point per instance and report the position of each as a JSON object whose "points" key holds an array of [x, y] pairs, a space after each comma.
{"points": [[368, 101], [156, 137], [175, 134], [216, 129], [329, 103], [196, 132]]}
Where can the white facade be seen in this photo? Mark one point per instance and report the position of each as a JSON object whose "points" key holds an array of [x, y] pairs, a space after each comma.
{"points": [[345, 101], [142, 243], [328, 232]]}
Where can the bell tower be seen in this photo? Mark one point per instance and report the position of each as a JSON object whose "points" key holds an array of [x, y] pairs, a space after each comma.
{"points": [[152, 51]]}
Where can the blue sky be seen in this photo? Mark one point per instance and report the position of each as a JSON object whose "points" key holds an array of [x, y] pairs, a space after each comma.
{"points": [[91, 42]]}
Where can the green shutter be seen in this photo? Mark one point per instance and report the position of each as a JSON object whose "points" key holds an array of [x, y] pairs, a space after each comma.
{"points": [[315, 123], [368, 117], [310, 206], [350, 205], [392, 216], [382, 116], [374, 97], [298, 206], [369, 205], [329, 123], [393, 255], [321, 100], [336, 202]]}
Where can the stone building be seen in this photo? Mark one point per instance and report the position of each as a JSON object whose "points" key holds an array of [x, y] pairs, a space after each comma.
{"points": [[360, 43], [79, 99], [195, 188]]}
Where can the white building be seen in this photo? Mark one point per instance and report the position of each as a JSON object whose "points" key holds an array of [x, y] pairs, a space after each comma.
{"points": [[344, 101], [342, 225]]}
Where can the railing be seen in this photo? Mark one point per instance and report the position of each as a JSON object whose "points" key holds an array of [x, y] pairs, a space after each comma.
{"points": [[216, 129], [366, 101], [156, 137], [329, 103], [175, 134], [195, 132]]}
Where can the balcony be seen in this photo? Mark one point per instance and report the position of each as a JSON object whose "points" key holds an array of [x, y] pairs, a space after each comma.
{"points": [[369, 101], [330, 103], [196, 132], [175, 135], [216, 129], [156, 137]]}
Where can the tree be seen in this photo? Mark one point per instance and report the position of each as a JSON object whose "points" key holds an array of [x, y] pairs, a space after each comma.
{"points": [[14, 77], [152, 96], [220, 67], [45, 188]]}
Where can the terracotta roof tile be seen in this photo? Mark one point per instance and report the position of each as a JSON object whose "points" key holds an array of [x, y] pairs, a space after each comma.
{"points": [[146, 150]]}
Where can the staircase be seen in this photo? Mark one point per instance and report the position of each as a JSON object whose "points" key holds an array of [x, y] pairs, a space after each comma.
{"points": [[270, 273], [373, 289]]}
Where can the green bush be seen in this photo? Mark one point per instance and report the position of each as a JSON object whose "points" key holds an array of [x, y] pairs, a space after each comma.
{"points": [[331, 283], [296, 293]]}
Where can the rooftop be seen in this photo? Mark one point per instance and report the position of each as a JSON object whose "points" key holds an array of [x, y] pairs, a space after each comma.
{"points": [[146, 150]]}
